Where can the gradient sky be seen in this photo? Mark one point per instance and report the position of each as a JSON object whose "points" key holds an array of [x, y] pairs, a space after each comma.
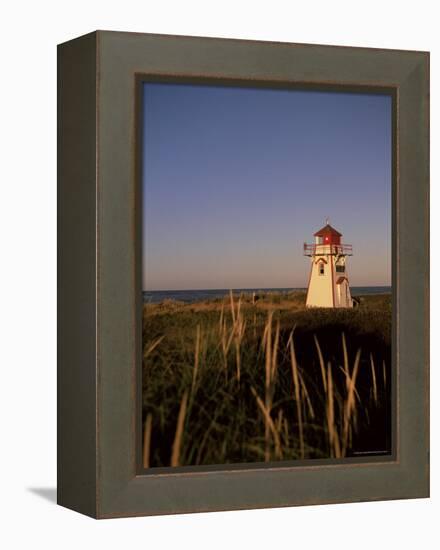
{"points": [[235, 180]]}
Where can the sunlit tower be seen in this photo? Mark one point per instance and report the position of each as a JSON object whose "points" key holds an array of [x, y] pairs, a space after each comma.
{"points": [[328, 281]]}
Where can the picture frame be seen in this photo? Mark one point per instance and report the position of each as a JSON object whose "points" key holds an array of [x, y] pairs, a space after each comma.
{"points": [[99, 274]]}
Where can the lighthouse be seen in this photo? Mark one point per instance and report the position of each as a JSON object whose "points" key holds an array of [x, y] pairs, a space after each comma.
{"points": [[328, 281]]}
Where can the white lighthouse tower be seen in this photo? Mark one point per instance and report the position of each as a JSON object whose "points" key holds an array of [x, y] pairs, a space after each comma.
{"points": [[328, 282]]}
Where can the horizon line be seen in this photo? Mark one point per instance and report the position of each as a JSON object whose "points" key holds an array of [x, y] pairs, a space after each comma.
{"points": [[254, 288]]}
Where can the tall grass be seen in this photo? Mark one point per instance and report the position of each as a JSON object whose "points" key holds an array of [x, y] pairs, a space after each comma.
{"points": [[244, 383], [147, 441], [296, 385], [175, 455]]}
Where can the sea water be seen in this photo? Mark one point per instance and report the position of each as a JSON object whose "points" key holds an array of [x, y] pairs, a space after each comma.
{"points": [[189, 296]]}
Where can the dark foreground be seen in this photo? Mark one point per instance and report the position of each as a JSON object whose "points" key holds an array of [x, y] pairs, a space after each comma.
{"points": [[229, 381]]}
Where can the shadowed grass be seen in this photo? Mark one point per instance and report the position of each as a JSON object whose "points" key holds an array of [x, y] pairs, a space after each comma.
{"points": [[229, 381]]}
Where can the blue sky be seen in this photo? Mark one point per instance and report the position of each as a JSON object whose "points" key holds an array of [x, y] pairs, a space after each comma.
{"points": [[235, 180]]}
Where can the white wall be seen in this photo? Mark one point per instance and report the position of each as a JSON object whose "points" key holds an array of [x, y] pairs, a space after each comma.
{"points": [[320, 291], [29, 33]]}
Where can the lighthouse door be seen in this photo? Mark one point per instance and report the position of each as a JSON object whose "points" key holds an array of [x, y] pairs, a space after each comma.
{"points": [[343, 292]]}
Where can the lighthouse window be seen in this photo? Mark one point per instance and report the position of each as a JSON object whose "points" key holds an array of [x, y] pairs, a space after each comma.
{"points": [[321, 269], [340, 269]]}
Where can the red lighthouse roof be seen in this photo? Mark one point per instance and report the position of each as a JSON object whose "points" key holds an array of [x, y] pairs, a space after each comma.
{"points": [[327, 230]]}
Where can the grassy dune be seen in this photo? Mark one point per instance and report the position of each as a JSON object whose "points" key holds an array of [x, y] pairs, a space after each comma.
{"points": [[228, 381]]}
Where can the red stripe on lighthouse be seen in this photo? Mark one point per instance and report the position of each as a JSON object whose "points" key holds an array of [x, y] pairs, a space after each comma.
{"points": [[310, 277], [333, 282]]}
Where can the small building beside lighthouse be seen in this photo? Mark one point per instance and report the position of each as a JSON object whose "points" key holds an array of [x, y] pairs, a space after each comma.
{"points": [[328, 281]]}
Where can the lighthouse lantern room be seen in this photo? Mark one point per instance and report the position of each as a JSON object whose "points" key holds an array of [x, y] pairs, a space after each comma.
{"points": [[328, 281]]}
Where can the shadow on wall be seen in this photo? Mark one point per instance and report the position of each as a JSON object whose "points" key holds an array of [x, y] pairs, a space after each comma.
{"points": [[48, 493]]}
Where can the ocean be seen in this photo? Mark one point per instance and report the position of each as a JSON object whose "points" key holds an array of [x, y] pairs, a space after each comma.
{"points": [[189, 296]]}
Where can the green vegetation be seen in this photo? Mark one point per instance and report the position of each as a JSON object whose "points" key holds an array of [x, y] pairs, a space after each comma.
{"points": [[233, 380]]}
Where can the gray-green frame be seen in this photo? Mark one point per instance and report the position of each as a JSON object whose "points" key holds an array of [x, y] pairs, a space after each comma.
{"points": [[99, 340]]}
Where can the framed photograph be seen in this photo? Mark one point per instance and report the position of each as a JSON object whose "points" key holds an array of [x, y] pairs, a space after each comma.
{"points": [[243, 274]]}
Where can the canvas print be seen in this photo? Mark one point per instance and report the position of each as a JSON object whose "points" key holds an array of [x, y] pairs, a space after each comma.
{"points": [[266, 274]]}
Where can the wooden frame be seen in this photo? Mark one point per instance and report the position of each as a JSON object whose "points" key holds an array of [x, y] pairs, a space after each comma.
{"points": [[99, 275]]}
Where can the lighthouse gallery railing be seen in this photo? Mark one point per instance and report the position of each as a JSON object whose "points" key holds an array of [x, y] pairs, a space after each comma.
{"points": [[335, 249]]}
